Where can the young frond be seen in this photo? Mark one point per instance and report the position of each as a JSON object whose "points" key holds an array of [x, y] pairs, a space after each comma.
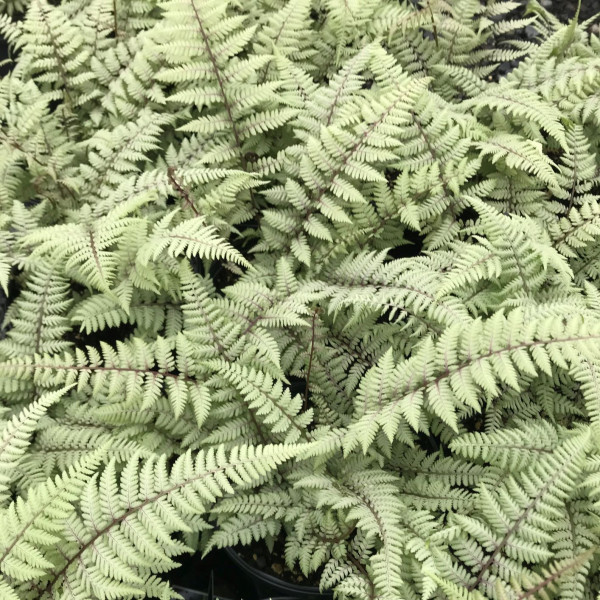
{"points": [[190, 238]]}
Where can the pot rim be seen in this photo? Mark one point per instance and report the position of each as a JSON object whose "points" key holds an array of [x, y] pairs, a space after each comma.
{"points": [[293, 588]]}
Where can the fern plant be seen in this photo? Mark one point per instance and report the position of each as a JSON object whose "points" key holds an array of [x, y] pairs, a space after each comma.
{"points": [[300, 270]]}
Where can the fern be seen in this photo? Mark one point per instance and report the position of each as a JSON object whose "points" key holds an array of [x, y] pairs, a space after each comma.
{"points": [[305, 272], [516, 510], [15, 439], [109, 517], [45, 295]]}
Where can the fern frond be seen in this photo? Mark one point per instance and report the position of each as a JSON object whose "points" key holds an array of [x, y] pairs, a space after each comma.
{"points": [[454, 373], [510, 449], [38, 322], [122, 528], [15, 438], [34, 525], [512, 522], [191, 238], [523, 104], [518, 153], [133, 371], [271, 401]]}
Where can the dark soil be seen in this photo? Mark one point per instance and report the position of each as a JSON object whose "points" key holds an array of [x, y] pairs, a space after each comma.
{"points": [[273, 563], [565, 9], [3, 307]]}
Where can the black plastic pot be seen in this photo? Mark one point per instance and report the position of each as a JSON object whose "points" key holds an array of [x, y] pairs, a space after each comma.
{"points": [[210, 578], [267, 586], [189, 594]]}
